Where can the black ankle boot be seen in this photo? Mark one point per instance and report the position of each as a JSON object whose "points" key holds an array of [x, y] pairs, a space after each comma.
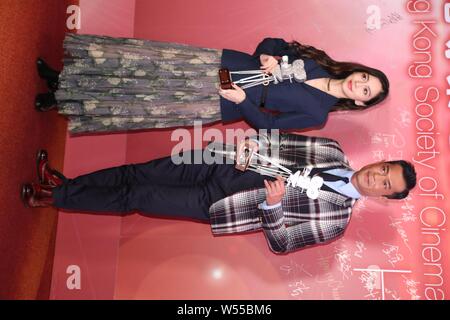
{"points": [[48, 74], [45, 101]]}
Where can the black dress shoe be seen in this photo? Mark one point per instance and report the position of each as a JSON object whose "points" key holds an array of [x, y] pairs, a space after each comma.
{"points": [[48, 74], [26, 193], [45, 101], [34, 195], [42, 155], [41, 164], [47, 176]]}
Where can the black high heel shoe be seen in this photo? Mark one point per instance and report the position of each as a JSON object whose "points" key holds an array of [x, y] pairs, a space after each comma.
{"points": [[45, 101], [48, 74]]}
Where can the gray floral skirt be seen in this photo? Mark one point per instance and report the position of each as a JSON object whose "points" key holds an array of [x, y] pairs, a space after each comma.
{"points": [[120, 84]]}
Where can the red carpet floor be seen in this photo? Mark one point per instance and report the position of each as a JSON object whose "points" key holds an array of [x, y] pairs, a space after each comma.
{"points": [[28, 29]]}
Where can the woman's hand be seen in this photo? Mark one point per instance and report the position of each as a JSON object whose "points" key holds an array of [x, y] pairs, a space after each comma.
{"points": [[236, 95], [268, 63], [274, 190]]}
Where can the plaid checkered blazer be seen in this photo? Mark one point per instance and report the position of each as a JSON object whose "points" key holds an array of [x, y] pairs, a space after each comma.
{"points": [[299, 221]]}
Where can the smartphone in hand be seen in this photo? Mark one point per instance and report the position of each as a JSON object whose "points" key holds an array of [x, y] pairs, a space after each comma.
{"points": [[225, 79]]}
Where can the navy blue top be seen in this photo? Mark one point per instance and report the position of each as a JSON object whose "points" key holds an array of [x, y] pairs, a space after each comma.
{"points": [[299, 105]]}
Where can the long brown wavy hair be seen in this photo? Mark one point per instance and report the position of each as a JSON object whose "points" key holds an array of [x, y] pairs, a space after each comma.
{"points": [[341, 70]]}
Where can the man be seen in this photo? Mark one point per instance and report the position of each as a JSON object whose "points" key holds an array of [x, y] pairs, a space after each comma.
{"points": [[232, 200]]}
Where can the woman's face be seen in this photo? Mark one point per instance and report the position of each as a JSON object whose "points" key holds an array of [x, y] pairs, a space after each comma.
{"points": [[361, 87]]}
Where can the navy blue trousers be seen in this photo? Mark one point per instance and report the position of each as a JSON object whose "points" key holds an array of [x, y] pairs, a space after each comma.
{"points": [[156, 187]]}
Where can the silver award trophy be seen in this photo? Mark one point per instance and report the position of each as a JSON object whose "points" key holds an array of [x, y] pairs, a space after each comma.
{"points": [[283, 71], [247, 157]]}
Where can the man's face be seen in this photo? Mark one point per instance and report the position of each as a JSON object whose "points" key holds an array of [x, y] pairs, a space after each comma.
{"points": [[379, 179]]}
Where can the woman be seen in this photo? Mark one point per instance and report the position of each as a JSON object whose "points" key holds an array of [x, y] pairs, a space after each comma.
{"points": [[116, 84]]}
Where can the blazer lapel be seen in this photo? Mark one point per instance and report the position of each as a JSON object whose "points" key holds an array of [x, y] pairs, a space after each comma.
{"points": [[315, 71]]}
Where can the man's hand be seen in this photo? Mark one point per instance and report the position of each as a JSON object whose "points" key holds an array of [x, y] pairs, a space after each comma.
{"points": [[236, 95], [251, 144], [275, 190], [268, 63]]}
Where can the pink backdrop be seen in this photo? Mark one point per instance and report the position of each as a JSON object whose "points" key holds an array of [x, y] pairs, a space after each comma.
{"points": [[137, 257]]}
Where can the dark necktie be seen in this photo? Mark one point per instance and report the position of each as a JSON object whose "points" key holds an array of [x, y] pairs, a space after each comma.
{"points": [[331, 177], [328, 176]]}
